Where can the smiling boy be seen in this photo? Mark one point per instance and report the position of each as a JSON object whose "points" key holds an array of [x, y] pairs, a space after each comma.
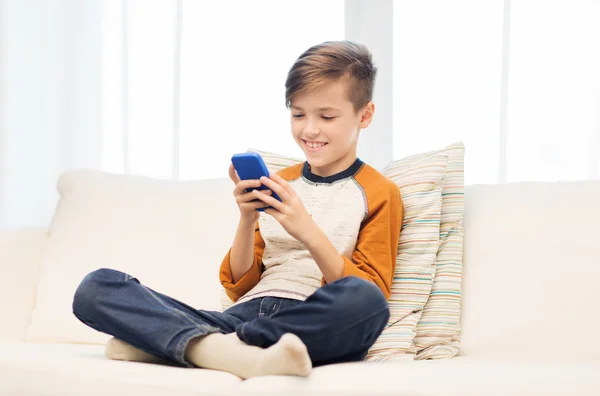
{"points": [[311, 275]]}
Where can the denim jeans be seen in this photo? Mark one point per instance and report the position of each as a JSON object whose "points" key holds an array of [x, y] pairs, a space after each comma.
{"points": [[338, 323]]}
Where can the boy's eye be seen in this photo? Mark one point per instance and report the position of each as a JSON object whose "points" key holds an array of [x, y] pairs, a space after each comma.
{"points": [[297, 115], [327, 118]]}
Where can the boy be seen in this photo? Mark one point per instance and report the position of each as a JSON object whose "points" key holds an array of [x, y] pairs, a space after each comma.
{"points": [[310, 276]]}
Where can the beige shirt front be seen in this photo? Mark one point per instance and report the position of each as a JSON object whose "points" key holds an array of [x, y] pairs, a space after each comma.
{"points": [[358, 209]]}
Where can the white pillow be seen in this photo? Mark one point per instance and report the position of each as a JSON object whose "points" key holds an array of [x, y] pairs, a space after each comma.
{"points": [[171, 235]]}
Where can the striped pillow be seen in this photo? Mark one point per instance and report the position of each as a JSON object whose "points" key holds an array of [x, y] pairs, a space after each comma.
{"points": [[420, 182], [438, 328], [438, 331]]}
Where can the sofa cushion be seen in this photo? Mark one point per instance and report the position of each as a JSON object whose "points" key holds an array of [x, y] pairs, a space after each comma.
{"points": [[21, 253], [75, 370], [461, 376], [532, 267], [171, 235], [69, 370]]}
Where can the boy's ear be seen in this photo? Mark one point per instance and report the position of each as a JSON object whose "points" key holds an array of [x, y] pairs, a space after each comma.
{"points": [[366, 115]]}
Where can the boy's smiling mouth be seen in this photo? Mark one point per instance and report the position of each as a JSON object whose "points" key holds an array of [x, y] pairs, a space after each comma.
{"points": [[314, 146]]}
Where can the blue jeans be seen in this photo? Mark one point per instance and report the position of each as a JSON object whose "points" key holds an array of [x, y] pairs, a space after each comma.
{"points": [[338, 323]]}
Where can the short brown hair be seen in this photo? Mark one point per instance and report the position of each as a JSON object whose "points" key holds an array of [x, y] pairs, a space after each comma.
{"points": [[330, 61]]}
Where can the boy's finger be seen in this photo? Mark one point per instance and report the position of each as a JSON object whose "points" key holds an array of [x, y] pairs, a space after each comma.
{"points": [[233, 174], [275, 203], [249, 196], [273, 185], [275, 213], [258, 204], [242, 186], [250, 183], [282, 182]]}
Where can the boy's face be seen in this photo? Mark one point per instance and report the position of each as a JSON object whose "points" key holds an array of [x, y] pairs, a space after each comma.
{"points": [[326, 127]]}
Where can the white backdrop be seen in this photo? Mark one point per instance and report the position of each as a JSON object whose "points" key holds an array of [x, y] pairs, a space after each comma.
{"points": [[171, 88], [50, 101]]}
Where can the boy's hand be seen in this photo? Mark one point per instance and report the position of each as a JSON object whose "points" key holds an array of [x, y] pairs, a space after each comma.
{"points": [[290, 212], [247, 201]]}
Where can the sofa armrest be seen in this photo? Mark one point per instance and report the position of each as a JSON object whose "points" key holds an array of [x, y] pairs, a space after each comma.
{"points": [[21, 252]]}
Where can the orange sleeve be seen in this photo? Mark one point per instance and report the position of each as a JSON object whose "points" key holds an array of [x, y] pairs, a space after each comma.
{"points": [[374, 258], [250, 279]]}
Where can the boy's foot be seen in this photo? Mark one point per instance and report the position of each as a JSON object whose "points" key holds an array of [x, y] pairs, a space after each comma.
{"points": [[288, 356], [226, 352]]}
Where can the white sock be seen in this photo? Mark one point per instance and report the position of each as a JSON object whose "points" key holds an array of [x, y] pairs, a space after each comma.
{"points": [[117, 349], [288, 356]]}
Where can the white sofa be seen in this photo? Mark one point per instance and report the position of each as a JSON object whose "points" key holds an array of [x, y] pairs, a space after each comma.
{"points": [[531, 290]]}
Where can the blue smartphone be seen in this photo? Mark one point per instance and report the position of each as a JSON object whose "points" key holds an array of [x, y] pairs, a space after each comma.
{"points": [[252, 166]]}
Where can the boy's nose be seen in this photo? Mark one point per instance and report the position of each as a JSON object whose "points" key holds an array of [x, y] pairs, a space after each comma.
{"points": [[310, 130]]}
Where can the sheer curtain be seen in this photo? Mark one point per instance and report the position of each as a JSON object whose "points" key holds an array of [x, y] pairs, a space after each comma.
{"points": [[50, 101], [161, 88], [554, 91], [517, 81], [172, 88], [189, 83], [193, 82]]}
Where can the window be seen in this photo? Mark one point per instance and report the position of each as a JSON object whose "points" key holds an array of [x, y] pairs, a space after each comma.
{"points": [[458, 64], [189, 83], [447, 80]]}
